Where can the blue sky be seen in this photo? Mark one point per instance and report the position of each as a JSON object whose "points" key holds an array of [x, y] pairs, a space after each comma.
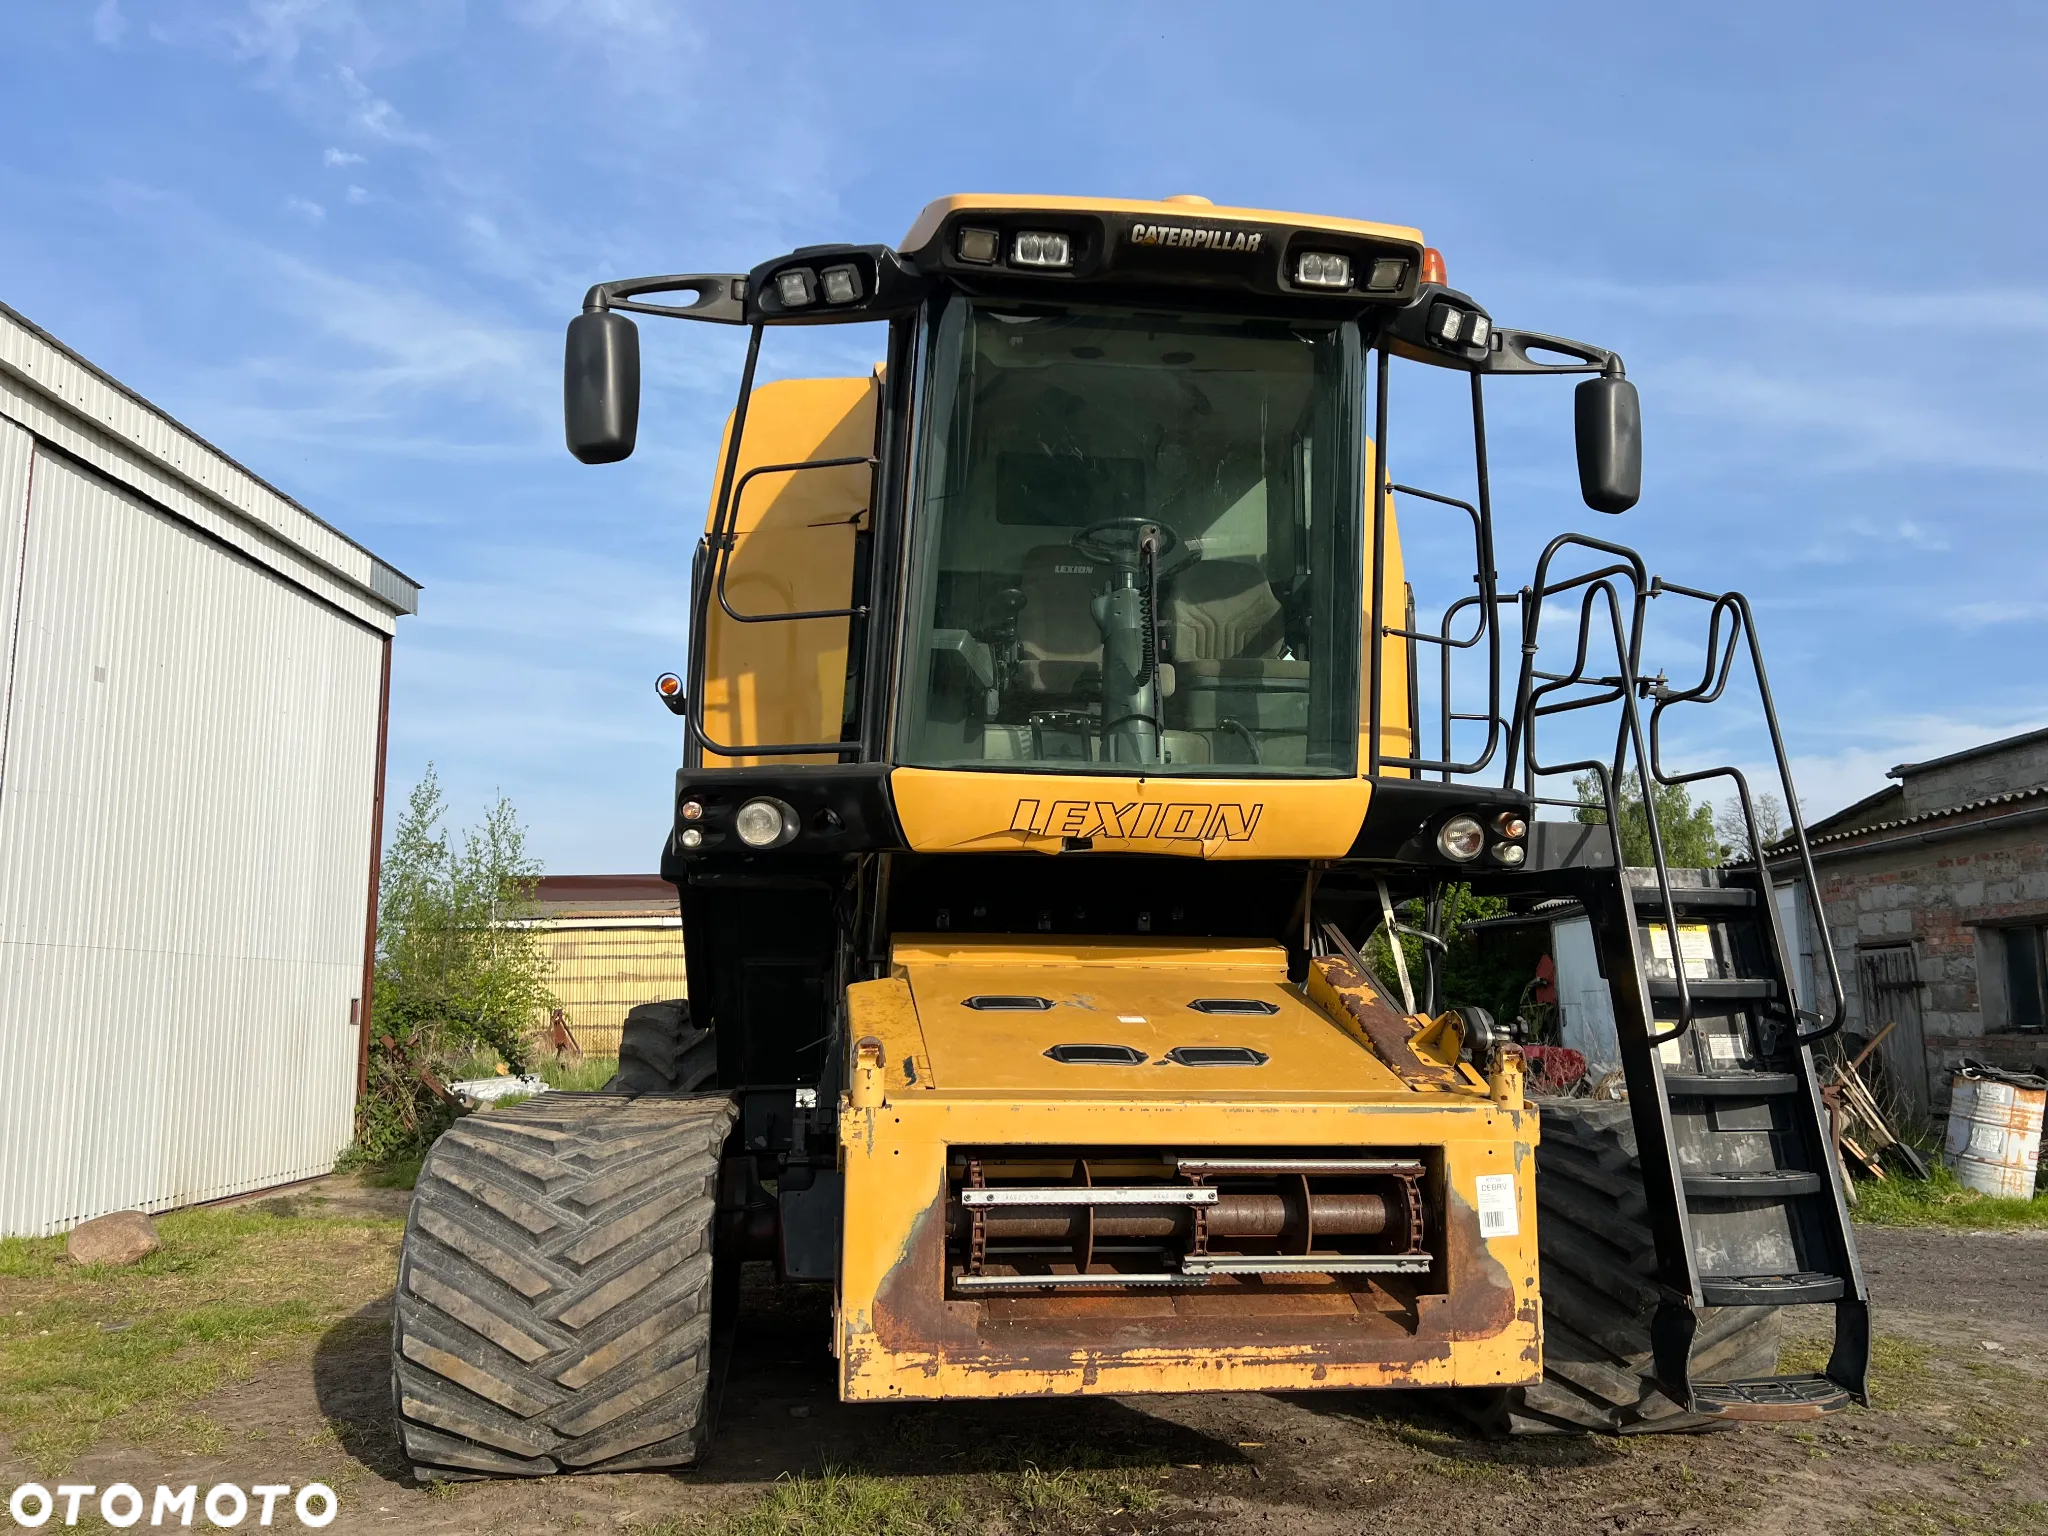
{"points": [[341, 239]]}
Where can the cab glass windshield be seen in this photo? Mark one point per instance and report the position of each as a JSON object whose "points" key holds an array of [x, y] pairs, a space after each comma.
{"points": [[1138, 545]]}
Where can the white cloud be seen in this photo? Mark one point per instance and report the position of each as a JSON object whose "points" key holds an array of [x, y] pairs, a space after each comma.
{"points": [[358, 195], [109, 26], [1997, 611], [305, 208], [373, 114], [340, 157]]}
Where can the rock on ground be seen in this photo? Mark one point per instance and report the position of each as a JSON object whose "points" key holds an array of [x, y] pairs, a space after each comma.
{"points": [[121, 1238]]}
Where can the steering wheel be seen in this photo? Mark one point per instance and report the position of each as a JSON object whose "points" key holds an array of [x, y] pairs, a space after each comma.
{"points": [[1116, 540]]}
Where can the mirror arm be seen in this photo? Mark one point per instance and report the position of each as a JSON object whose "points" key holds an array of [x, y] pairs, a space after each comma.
{"points": [[1510, 354], [720, 297]]}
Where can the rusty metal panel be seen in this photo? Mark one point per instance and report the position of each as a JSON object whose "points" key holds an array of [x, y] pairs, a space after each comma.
{"points": [[184, 833], [601, 970]]}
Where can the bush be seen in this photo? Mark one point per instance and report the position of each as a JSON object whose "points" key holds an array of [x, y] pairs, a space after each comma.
{"points": [[457, 974]]}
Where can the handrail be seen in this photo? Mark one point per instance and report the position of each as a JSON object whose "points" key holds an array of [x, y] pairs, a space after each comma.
{"points": [[1487, 599], [1713, 682], [1534, 688], [725, 541], [696, 741]]}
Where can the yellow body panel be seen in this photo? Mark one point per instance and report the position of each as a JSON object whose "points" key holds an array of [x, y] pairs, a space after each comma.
{"points": [[970, 810], [1131, 992], [767, 683], [1397, 730], [935, 213], [955, 1077]]}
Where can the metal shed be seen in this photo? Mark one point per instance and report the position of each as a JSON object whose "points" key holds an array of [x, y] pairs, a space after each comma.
{"points": [[194, 679]]}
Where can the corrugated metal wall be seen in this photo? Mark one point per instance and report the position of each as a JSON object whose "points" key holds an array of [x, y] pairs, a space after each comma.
{"points": [[185, 816], [600, 973]]}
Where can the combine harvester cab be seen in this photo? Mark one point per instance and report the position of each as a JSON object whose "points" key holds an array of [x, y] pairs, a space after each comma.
{"points": [[1054, 745]]}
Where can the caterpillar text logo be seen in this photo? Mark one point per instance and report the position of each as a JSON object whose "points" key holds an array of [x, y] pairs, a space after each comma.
{"points": [[1194, 237], [1188, 822]]}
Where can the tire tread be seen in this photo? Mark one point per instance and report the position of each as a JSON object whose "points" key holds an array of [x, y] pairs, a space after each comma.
{"points": [[554, 1294]]}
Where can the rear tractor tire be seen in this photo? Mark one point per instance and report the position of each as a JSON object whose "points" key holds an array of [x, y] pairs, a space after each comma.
{"points": [[661, 1051], [1598, 1262], [554, 1289]]}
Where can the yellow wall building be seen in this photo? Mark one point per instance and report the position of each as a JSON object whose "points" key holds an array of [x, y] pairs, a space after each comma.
{"points": [[615, 941]]}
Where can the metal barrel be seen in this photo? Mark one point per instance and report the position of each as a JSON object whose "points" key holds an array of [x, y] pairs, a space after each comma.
{"points": [[1994, 1132]]}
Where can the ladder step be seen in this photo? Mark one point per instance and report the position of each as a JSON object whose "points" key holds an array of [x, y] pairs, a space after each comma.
{"points": [[1716, 899], [1763, 1184], [1728, 1085], [1802, 1288], [1737, 989], [1767, 1398]]}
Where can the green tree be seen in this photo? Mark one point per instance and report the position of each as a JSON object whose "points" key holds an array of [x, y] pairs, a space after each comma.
{"points": [[457, 971], [1690, 838]]}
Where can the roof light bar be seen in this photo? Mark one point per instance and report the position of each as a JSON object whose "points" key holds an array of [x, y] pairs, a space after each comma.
{"points": [[1322, 269], [1042, 248], [841, 285], [796, 287]]}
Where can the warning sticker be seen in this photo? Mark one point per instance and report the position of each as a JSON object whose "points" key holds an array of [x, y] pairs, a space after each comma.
{"points": [[1695, 948], [1496, 1202]]}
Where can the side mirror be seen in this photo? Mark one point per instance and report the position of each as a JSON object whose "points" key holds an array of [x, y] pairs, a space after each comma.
{"points": [[601, 386], [1608, 421]]}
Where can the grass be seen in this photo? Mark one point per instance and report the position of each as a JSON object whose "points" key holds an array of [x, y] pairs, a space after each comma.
{"points": [[585, 1076], [82, 1347], [1940, 1201], [840, 1501]]}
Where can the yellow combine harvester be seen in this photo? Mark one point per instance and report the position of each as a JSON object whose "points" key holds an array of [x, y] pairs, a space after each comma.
{"points": [[1054, 745]]}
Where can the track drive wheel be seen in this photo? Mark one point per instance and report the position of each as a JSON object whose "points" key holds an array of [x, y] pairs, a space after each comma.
{"points": [[1598, 1264], [554, 1289], [661, 1051]]}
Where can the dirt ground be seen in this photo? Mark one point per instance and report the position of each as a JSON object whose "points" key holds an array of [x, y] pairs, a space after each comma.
{"points": [[1962, 1385]]}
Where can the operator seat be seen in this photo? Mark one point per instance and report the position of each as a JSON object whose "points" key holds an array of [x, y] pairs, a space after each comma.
{"points": [[1059, 645], [1224, 610], [1232, 685]]}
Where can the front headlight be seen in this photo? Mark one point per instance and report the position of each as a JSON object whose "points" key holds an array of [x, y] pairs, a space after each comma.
{"points": [[1461, 838], [759, 823]]}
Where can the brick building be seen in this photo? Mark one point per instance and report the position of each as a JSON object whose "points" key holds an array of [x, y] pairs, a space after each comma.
{"points": [[1934, 895]]}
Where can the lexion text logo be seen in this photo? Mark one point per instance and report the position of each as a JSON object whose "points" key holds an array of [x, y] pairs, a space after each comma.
{"points": [[123, 1504], [1197, 237], [1188, 821]]}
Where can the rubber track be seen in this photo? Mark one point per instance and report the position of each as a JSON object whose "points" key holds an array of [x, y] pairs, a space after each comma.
{"points": [[661, 1052], [554, 1289], [1598, 1261]]}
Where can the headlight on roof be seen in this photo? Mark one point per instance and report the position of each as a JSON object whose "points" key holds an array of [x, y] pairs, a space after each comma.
{"points": [[1322, 269], [796, 287], [1042, 248]]}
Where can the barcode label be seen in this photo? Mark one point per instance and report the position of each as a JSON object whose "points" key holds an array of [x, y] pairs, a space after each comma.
{"points": [[1496, 1202]]}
